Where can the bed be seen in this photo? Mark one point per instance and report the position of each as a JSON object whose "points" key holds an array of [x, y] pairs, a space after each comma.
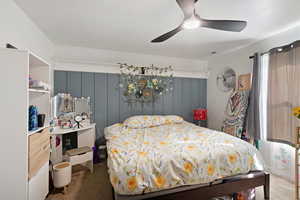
{"points": [[165, 157]]}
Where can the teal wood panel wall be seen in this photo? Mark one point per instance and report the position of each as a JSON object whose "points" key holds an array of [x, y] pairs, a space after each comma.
{"points": [[107, 102]]}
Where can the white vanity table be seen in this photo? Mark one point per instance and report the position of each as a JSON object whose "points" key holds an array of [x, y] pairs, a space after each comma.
{"points": [[85, 137]]}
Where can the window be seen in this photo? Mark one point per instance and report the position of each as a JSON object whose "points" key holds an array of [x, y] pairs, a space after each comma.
{"points": [[263, 95]]}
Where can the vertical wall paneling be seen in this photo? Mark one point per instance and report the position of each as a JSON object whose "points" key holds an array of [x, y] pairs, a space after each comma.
{"points": [[158, 106], [113, 97], [203, 100], [88, 89], [168, 103], [107, 101], [147, 109], [125, 108], [186, 99], [100, 103], [74, 83], [177, 102], [60, 80], [195, 103]]}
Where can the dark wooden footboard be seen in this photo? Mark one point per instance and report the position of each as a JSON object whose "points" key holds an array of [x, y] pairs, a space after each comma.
{"points": [[227, 187]]}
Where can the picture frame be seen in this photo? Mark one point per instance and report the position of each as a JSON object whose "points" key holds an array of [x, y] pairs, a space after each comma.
{"points": [[245, 82]]}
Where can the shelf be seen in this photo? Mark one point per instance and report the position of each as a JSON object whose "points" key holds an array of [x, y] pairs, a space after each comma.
{"points": [[39, 91], [37, 130]]}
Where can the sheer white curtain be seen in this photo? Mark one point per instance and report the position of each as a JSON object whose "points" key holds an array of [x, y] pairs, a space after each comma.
{"points": [[263, 95]]}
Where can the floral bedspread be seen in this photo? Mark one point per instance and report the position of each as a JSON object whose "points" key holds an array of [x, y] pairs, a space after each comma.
{"points": [[146, 160]]}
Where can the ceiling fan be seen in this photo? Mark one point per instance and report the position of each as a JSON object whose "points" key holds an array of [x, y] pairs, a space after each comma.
{"points": [[192, 21]]}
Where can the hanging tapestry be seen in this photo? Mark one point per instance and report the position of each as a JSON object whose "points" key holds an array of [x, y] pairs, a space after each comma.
{"points": [[235, 113]]}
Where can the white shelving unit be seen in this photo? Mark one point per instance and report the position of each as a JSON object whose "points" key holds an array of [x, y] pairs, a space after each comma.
{"points": [[16, 97], [40, 70], [30, 90]]}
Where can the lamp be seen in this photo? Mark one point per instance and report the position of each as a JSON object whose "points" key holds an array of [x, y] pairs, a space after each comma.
{"points": [[200, 115]]}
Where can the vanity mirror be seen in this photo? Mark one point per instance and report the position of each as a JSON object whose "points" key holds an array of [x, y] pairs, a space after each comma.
{"points": [[66, 108], [82, 107], [62, 104]]}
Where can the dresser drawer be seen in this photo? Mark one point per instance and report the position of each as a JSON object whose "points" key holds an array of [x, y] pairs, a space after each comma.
{"points": [[39, 151], [79, 159], [38, 186]]}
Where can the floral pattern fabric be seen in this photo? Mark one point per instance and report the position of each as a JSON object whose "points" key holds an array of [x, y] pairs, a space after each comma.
{"points": [[144, 160], [147, 121]]}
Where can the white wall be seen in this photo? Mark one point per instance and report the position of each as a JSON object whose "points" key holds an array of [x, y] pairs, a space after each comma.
{"points": [[96, 60], [17, 29], [240, 62]]}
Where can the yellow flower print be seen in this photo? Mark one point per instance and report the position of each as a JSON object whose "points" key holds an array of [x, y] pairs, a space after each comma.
{"points": [[168, 121], [145, 118], [232, 158], [250, 161], [115, 180], [162, 143], [210, 169], [142, 153], [157, 118], [190, 147], [131, 183], [160, 181], [188, 167], [114, 151], [200, 134], [146, 143], [186, 139], [114, 137], [125, 143]]}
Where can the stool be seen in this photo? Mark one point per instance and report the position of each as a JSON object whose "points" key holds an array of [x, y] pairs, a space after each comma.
{"points": [[62, 173], [82, 155]]}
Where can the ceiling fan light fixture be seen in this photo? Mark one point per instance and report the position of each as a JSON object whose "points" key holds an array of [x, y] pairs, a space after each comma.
{"points": [[191, 20], [191, 23]]}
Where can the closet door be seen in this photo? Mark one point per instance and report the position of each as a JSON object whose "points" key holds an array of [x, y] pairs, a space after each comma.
{"points": [[13, 120]]}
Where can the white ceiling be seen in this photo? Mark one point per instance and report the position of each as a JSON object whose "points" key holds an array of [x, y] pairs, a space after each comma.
{"points": [[130, 25]]}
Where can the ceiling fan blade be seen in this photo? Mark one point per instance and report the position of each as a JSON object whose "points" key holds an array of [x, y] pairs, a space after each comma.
{"points": [[225, 25], [166, 36], [187, 7]]}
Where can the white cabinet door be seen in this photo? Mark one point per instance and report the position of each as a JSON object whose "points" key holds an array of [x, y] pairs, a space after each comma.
{"points": [[39, 184], [86, 138], [13, 120]]}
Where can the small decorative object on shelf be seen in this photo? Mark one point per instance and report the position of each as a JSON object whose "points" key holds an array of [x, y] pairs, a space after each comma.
{"points": [[78, 119], [145, 84], [33, 118], [38, 85], [200, 115], [41, 120]]}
